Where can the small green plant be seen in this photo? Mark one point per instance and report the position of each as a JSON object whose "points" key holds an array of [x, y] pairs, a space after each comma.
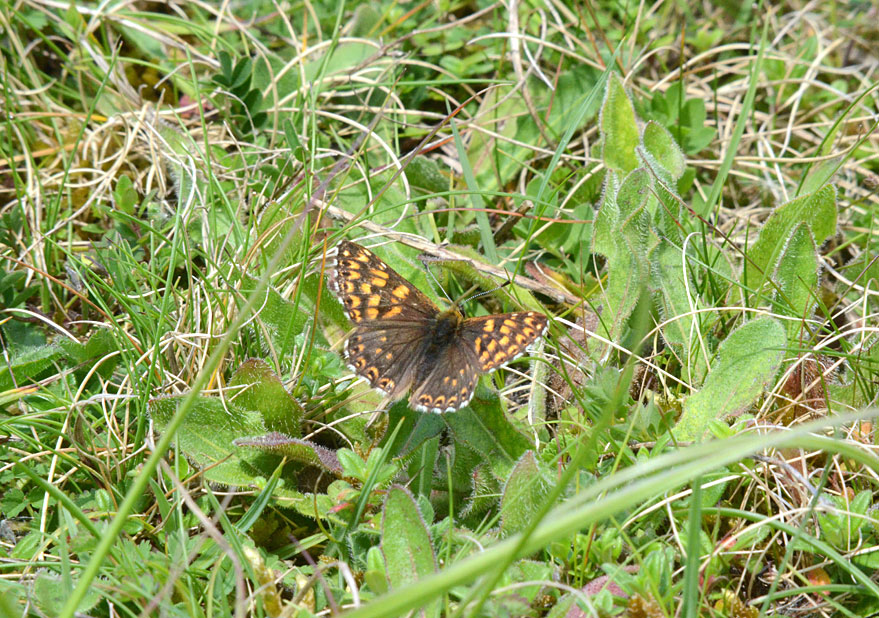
{"points": [[244, 101]]}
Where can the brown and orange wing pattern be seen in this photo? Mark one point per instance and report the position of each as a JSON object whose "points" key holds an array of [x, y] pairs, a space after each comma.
{"points": [[401, 339], [370, 290], [497, 339], [447, 382]]}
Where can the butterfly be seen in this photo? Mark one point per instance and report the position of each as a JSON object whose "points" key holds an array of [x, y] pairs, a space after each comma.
{"points": [[402, 340]]}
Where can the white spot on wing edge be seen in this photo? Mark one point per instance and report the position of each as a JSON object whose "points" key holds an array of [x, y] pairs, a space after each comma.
{"points": [[422, 408]]}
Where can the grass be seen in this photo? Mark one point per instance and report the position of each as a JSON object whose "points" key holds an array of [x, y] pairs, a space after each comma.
{"points": [[688, 192]]}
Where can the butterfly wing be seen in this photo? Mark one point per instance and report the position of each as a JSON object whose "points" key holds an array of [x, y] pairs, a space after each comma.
{"points": [[386, 356], [446, 382], [393, 318], [372, 291], [495, 340]]}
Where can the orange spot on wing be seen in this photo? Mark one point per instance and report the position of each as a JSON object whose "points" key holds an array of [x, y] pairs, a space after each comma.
{"points": [[393, 312]]}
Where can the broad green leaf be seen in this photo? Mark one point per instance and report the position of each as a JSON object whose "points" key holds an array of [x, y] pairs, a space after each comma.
{"points": [[416, 429], [607, 218], [406, 544], [746, 362], [13, 595], [27, 362], [385, 199], [820, 174], [524, 494], [313, 505], [566, 607], [50, 592], [662, 153], [483, 427], [295, 449], [263, 392], [710, 494], [425, 174], [796, 276], [376, 574], [100, 344], [817, 209], [352, 464], [622, 233], [278, 321], [125, 196], [868, 559], [532, 572], [485, 486], [677, 302], [214, 450], [380, 473], [222, 461], [619, 128]]}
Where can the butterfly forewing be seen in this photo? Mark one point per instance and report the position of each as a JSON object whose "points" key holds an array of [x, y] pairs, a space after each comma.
{"points": [[497, 339], [370, 290]]}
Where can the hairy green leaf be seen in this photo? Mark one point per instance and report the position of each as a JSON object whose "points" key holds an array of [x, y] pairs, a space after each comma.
{"points": [[619, 129], [817, 209], [302, 451], [406, 543], [214, 450], [483, 427], [261, 390], [796, 275], [678, 300], [622, 233], [746, 362], [524, 494], [662, 153]]}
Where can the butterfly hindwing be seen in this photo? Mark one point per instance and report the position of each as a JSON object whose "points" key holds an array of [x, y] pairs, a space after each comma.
{"points": [[446, 382], [386, 357]]}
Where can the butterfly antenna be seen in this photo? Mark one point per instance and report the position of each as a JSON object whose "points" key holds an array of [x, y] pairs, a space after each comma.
{"points": [[437, 284], [492, 290]]}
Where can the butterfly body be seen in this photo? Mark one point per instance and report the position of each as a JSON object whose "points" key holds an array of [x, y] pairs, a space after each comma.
{"points": [[402, 340], [446, 326]]}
